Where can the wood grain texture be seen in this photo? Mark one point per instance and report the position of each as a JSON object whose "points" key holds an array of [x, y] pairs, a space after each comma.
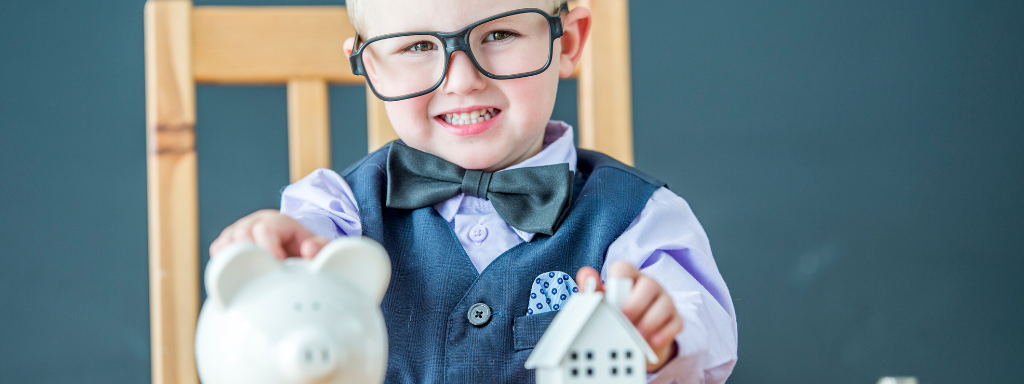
{"points": [[605, 94], [309, 131], [271, 44], [379, 130], [172, 185]]}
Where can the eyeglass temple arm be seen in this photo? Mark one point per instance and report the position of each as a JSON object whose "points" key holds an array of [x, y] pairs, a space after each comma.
{"points": [[353, 59]]}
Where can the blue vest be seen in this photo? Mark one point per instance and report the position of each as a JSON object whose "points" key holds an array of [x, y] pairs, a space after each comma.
{"points": [[434, 283]]}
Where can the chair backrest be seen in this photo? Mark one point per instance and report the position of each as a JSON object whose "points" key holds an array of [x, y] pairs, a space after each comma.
{"points": [[300, 47]]}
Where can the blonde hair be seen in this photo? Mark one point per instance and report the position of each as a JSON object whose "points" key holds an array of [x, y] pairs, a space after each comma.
{"points": [[355, 10]]}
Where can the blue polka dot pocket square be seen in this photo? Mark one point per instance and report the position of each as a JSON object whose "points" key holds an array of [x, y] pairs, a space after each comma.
{"points": [[549, 292]]}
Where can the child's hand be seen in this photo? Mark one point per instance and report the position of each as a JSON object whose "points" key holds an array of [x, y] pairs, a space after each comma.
{"points": [[275, 232], [649, 307]]}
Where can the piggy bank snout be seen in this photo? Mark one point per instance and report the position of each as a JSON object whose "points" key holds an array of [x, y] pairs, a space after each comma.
{"points": [[309, 354]]}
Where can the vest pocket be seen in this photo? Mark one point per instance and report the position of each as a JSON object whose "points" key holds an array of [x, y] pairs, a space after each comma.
{"points": [[528, 329]]}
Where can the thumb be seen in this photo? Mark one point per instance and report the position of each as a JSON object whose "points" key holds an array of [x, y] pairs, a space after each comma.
{"points": [[586, 273]]}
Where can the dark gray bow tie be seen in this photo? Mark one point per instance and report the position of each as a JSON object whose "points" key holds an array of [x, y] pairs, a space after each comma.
{"points": [[531, 199]]}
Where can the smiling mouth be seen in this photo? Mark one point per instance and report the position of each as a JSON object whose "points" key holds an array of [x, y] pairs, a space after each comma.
{"points": [[467, 118]]}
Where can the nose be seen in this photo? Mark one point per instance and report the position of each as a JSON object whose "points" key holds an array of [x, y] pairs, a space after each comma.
{"points": [[309, 354], [463, 77]]}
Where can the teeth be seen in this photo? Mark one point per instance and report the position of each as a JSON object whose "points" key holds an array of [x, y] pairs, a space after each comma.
{"points": [[472, 117]]}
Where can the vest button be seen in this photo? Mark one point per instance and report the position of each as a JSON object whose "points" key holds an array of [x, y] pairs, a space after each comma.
{"points": [[479, 314], [478, 233]]}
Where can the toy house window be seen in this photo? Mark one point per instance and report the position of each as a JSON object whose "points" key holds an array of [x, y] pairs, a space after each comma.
{"points": [[629, 354], [629, 370], [590, 355], [613, 354], [615, 371], [573, 356], [590, 371], [575, 372]]}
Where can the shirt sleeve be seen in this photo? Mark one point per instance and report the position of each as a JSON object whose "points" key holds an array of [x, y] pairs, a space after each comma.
{"points": [[667, 243], [324, 203]]}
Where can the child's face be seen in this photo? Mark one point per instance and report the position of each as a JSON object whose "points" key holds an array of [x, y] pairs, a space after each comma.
{"points": [[520, 107]]}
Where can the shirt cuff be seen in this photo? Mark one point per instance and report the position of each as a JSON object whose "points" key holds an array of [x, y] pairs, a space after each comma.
{"points": [[321, 224], [324, 203]]}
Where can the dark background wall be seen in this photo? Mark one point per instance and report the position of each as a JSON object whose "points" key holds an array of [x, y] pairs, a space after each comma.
{"points": [[858, 166]]}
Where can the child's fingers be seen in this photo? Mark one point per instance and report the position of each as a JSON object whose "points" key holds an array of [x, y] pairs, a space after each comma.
{"points": [[219, 243], [623, 269], [229, 235], [242, 230], [298, 240], [311, 246], [585, 273], [668, 332], [265, 235], [216, 245], [656, 316], [644, 292], [292, 234]]}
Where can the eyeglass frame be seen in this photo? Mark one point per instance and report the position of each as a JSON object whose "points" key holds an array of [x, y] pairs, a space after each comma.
{"points": [[459, 41]]}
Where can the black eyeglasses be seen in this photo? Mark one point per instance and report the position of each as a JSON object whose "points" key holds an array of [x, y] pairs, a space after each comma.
{"points": [[510, 45]]}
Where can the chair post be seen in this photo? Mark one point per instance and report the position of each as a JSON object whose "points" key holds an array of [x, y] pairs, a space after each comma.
{"points": [[172, 184], [309, 131], [605, 94]]}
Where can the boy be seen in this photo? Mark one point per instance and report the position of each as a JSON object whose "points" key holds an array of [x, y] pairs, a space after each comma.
{"points": [[483, 198]]}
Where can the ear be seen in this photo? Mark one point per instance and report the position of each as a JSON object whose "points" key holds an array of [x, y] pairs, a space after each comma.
{"points": [[349, 44], [233, 267], [359, 260], [575, 28]]}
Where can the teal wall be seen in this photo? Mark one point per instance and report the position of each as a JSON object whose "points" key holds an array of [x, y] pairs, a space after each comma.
{"points": [[858, 166]]}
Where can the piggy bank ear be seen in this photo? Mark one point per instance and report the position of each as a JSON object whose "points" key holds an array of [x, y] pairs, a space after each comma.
{"points": [[233, 267], [358, 260]]}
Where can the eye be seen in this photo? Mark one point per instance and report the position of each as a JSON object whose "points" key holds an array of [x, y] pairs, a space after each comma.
{"points": [[499, 35], [422, 46]]}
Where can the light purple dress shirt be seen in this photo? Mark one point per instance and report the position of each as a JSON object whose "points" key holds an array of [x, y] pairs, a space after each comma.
{"points": [[665, 242]]}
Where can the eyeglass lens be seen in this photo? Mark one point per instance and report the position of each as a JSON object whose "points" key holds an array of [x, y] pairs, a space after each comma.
{"points": [[511, 45]]}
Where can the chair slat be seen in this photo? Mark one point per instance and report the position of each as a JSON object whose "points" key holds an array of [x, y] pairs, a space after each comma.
{"points": [[309, 131], [271, 44], [173, 201], [605, 94]]}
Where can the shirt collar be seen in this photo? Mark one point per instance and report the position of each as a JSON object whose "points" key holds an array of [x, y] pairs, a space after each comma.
{"points": [[557, 148]]}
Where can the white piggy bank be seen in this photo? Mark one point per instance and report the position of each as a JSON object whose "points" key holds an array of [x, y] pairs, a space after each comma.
{"points": [[297, 321]]}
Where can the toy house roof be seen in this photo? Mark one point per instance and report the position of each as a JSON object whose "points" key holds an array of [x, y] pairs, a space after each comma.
{"points": [[566, 326]]}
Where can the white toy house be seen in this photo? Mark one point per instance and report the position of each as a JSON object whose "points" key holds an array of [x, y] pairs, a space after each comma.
{"points": [[591, 341]]}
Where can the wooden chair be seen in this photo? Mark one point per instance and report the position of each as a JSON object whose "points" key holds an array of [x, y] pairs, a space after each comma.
{"points": [[300, 47]]}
